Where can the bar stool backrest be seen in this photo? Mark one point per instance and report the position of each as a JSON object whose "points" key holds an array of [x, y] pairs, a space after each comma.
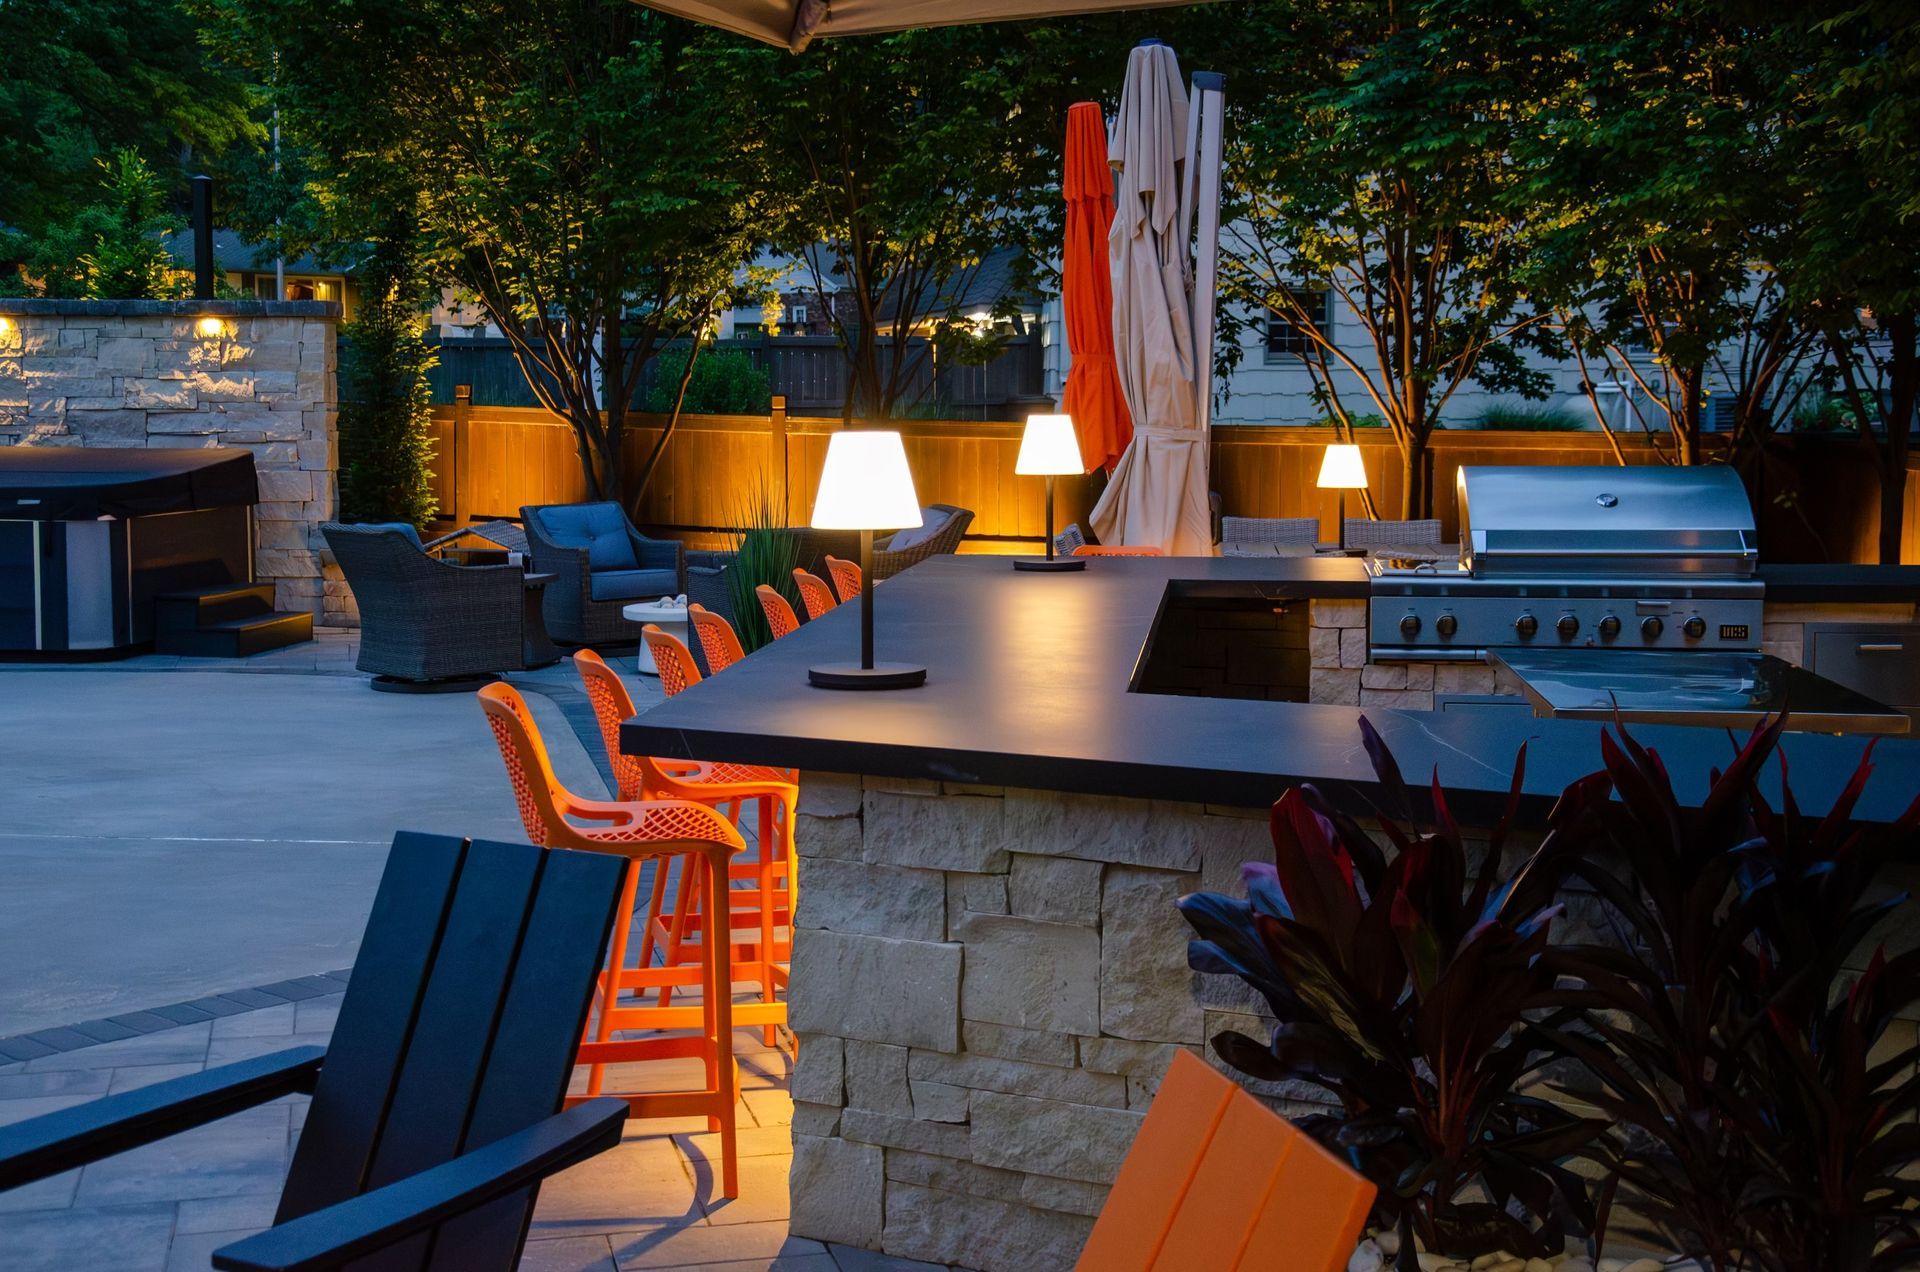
{"points": [[846, 577], [525, 756], [781, 619], [718, 641], [814, 593], [674, 660], [611, 704]]}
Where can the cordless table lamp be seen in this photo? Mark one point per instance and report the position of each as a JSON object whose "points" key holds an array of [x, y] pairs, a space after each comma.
{"points": [[866, 486], [1341, 470], [1049, 449]]}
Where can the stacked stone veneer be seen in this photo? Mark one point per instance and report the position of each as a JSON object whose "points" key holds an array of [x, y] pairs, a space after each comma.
{"points": [[987, 985], [259, 375]]}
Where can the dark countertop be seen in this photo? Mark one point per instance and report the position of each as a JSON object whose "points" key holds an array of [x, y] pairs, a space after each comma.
{"points": [[1841, 584], [1027, 686]]}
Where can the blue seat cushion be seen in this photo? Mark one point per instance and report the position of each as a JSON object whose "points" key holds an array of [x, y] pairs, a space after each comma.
{"points": [[633, 585], [600, 528]]}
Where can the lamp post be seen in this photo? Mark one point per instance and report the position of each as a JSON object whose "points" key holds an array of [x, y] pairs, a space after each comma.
{"points": [[1341, 469], [866, 486], [1048, 448]]}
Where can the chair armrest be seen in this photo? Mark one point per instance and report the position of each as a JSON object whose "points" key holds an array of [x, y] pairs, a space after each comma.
{"points": [[371, 1222], [657, 554], [55, 1142]]}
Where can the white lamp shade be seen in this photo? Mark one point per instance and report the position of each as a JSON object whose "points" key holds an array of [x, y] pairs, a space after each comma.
{"points": [[1048, 448], [1341, 469], [866, 484]]}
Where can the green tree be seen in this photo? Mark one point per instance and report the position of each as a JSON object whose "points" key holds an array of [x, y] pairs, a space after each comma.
{"points": [[386, 450], [1367, 166], [110, 248], [723, 382], [580, 167], [83, 79]]}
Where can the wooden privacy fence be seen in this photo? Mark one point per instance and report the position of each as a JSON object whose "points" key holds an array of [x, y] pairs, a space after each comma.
{"points": [[493, 460]]}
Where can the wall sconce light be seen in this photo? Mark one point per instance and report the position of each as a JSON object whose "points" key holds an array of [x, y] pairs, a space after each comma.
{"points": [[7, 326], [1048, 449], [211, 328], [866, 486], [1341, 469]]}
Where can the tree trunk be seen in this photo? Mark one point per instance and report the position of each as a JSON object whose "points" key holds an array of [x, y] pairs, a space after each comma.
{"points": [[613, 403], [1688, 442], [1416, 501], [1903, 385]]}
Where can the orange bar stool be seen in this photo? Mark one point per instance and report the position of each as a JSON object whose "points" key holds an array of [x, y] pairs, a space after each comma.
{"points": [[781, 619], [760, 892], [640, 830], [814, 593], [846, 577], [718, 641], [1101, 549]]}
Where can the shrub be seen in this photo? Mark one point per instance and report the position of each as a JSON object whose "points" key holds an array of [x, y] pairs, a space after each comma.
{"points": [[110, 249], [386, 450], [1403, 989], [1528, 417], [766, 553], [725, 382]]}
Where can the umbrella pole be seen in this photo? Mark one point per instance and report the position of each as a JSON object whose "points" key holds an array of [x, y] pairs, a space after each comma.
{"points": [[1209, 90]]}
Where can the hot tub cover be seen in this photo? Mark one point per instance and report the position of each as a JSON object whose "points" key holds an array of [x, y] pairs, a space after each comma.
{"points": [[68, 483]]}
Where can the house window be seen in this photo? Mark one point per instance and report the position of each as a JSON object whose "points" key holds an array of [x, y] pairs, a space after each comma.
{"points": [[298, 288], [1286, 339], [797, 315]]}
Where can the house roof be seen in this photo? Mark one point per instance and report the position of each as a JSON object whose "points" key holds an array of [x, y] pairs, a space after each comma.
{"points": [[981, 287], [234, 253]]}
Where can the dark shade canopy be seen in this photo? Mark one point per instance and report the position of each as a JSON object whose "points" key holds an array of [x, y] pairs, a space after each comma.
{"points": [[791, 24], [67, 483]]}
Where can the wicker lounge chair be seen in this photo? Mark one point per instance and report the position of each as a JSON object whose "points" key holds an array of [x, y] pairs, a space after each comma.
{"points": [[939, 534], [427, 624], [600, 564], [1269, 536], [1386, 537]]}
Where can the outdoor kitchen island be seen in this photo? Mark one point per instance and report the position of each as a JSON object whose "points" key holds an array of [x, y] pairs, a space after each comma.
{"points": [[989, 975]]}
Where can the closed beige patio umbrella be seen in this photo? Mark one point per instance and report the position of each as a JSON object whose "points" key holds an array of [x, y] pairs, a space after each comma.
{"points": [[1158, 494], [792, 23]]}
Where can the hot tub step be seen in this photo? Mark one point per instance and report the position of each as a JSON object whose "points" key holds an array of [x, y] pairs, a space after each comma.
{"points": [[191, 608], [238, 637]]}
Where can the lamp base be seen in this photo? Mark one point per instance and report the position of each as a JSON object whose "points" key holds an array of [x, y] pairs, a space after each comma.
{"points": [[1050, 563], [886, 675]]}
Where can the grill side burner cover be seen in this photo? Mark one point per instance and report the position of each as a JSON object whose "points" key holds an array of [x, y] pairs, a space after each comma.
{"points": [[1606, 520]]}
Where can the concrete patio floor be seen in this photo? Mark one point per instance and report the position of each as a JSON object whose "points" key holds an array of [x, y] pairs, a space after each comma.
{"points": [[174, 828]]}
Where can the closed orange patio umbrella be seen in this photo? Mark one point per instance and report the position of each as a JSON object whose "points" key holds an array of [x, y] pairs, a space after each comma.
{"points": [[1093, 397]]}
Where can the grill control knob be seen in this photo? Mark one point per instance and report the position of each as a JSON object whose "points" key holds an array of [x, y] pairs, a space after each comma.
{"points": [[1410, 626], [1568, 626], [1526, 625], [1609, 627], [1651, 628], [1446, 624], [1695, 627]]}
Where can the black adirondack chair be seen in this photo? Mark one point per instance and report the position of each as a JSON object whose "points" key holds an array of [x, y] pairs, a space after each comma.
{"points": [[435, 1107]]}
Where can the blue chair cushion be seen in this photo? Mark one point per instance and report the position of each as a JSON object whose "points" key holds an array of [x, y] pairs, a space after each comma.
{"points": [[398, 527], [633, 585], [600, 528]]}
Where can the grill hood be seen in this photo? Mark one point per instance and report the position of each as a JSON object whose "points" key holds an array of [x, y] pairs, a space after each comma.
{"points": [[1639, 522]]}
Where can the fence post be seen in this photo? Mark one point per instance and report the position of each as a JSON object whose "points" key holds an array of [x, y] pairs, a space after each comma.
{"points": [[777, 452], [462, 412]]}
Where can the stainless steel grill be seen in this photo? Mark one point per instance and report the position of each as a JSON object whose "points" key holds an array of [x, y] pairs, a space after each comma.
{"points": [[1567, 558]]}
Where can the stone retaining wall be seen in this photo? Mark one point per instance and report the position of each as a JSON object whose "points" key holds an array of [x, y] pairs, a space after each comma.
{"points": [[158, 373], [988, 984]]}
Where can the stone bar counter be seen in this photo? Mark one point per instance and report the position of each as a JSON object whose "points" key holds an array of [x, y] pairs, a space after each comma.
{"points": [[989, 976]]}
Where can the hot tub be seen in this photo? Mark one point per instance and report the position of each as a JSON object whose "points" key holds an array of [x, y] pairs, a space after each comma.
{"points": [[88, 538]]}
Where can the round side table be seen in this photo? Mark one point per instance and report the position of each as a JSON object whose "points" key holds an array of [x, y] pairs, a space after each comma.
{"points": [[669, 615]]}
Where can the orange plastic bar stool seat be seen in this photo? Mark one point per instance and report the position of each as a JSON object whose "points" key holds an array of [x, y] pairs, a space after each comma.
{"points": [[718, 641], [1217, 1180], [1101, 549], [781, 620], [814, 593], [846, 577], [760, 892], [660, 831]]}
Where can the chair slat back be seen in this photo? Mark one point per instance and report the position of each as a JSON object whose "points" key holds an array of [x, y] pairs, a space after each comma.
{"points": [[814, 593], [612, 705], [846, 577], [718, 641], [781, 620], [672, 659], [1217, 1180], [458, 1028]]}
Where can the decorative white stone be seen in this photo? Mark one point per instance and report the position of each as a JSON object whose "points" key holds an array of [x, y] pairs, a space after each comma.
{"points": [[877, 1078], [1059, 889], [1145, 987], [875, 988], [1366, 1257], [1048, 1137], [858, 896], [995, 1236], [1028, 973], [836, 1187], [942, 832]]}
